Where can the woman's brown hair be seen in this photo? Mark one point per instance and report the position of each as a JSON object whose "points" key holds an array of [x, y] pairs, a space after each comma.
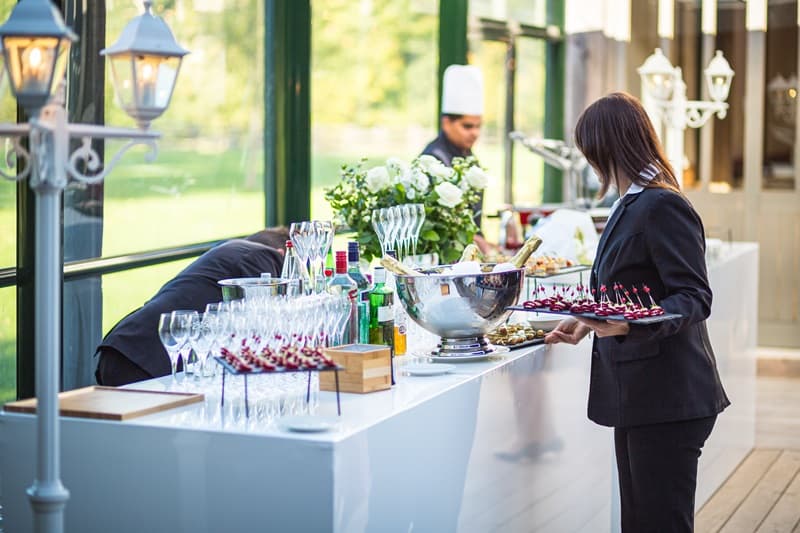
{"points": [[617, 138]]}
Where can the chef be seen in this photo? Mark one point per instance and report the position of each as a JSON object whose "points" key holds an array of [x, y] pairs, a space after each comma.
{"points": [[462, 111]]}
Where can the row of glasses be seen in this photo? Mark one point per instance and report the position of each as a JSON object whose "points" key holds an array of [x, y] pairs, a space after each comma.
{"points": [[257, 324], [398, 228], [312, 239]]}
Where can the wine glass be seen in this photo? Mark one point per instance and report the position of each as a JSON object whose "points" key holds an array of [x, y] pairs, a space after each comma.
{"points": [[200, 339], [170, 343], [419, 220], [180, 325], [302, 236], [379, 224], [324, 239]]}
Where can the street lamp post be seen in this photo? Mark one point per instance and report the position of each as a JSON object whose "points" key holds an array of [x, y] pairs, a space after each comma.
{"points": [[664, 98], [145, 63]]}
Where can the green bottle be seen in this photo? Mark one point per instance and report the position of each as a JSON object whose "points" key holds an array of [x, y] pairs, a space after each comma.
{"points": [[381, 314]]}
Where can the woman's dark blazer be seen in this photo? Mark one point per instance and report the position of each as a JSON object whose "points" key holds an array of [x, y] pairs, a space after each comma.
{"points": [[659, 372]]}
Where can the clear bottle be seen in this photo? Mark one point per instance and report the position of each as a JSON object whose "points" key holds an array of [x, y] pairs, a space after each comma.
{"points": [[400, 316], [354, 266], [341, 283], [293, 270], [381, 313]]}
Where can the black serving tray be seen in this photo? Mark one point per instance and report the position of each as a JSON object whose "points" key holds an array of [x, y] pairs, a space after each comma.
{"points": [[646, 320], [532, 342], [227, 368], [280, 370]]}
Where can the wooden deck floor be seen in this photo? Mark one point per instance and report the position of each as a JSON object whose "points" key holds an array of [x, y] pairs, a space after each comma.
{"points": [[763, 493]]}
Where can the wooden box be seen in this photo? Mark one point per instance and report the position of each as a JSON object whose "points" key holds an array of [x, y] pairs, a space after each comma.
{"points": [[367, 368]]}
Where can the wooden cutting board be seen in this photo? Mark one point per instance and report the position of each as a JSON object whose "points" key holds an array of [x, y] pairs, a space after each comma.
{"points": [[111, 403]]}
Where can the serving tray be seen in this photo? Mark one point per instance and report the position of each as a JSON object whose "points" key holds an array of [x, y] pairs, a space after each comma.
{"points": [[111, 403], [561, 272], [645, 320]]}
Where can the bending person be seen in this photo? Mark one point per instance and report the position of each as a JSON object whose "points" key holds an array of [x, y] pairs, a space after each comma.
{"points": [[132, 351], [657, 385]]}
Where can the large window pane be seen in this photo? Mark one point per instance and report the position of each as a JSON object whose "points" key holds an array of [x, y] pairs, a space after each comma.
{"points": [[373, 84], [728, 157], [8, 344], [529, 118], [490, 56], [207, 181], [780, 102], [124, 292]]}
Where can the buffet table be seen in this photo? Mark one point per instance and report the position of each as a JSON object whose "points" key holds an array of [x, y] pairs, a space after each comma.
{"points": [[497, 445]]}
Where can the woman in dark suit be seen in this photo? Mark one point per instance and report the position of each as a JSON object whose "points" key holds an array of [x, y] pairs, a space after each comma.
{"points": [[657, 385]]}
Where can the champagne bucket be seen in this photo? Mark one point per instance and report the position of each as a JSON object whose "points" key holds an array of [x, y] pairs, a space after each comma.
{"points": [[238, 288], [460, 308]]}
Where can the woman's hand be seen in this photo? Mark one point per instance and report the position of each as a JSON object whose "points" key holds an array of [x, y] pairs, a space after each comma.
{"points": [[568, 330], [605, 328]]}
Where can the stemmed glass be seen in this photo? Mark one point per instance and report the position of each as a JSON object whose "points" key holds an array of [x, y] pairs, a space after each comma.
{"points": [[170, 343], [200, 339], [324, 240], [419, 220], [180, 325], [301, 235], [380, 225]]}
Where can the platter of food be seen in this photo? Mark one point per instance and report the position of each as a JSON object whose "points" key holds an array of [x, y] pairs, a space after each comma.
{"points": [[516, 336], [623, 304]]}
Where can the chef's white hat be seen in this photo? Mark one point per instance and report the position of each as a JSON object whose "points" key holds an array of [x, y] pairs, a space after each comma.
{"points": [[462, 90]]}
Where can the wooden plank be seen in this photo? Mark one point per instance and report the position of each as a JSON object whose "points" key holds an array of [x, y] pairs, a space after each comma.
{"points": [[716, 512], [765, 495], [110, 403], [785, 516]]}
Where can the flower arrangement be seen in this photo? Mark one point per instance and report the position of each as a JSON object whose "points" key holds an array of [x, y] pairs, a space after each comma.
{"points": [[447, 194]]}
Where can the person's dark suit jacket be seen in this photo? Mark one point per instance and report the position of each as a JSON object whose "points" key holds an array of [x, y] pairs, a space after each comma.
{"points": [[442, 149], [136, 335], [666, 371]]}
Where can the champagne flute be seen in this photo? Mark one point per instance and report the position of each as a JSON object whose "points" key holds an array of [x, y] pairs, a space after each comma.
{"points": [[180, 325], [171, 344]]}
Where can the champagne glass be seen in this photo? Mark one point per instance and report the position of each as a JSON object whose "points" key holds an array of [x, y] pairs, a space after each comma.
{"points": [[419, 220], [180, 326], [379, 225], [170, 343], [200, 339]]}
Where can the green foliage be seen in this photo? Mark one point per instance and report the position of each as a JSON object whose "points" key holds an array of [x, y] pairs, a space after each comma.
{"points": [[447, 195]]}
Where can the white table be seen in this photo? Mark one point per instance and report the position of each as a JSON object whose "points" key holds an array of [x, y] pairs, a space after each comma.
{"points": [[433, 454]]}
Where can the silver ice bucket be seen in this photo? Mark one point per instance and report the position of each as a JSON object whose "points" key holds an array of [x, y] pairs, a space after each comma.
{"points": [[238, 288], [460, 308]]}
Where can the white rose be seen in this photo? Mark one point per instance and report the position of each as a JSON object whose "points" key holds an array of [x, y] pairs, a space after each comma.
{"points": [[477, 178], [397, 169], [427, 160], [449, 194], [420, 181], [411, 194], [440, 171], [433, 167], [377, 179]]}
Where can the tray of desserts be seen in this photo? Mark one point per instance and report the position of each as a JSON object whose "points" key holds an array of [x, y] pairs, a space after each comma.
{"points": [[516, 336], [291, 359], [623, 304]]}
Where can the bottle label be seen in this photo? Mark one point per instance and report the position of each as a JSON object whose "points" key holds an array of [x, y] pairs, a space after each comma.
{"points": [[385, 313]]}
